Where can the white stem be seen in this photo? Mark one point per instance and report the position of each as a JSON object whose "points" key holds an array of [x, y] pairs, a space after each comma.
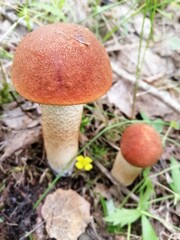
{"points": [[61, 132], [124, 172]]}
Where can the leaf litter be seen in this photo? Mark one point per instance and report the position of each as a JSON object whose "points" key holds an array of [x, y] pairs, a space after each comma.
{"points": [[66, 214], [20, 132]]}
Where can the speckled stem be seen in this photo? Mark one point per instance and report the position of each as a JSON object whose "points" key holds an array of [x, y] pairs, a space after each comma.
{"points": [[61, 132], [124, 172]]}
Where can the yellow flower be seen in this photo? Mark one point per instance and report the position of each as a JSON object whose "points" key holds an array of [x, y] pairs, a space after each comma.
{"points": [[84, 163]]}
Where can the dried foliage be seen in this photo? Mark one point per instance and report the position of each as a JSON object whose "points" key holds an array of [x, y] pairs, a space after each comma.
{"points": [[66, 214], [142, 40]]}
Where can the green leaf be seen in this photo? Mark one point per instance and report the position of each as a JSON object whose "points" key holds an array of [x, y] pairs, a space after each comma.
{"points": [[1, 220], [145, 117], [104, 205], [175, 173], [108, 206], [85, 121], [147, 229], [5, 54], [145, 194], [165, 14], [158, 124], [123, 216], [175, 125], [146, 172]]}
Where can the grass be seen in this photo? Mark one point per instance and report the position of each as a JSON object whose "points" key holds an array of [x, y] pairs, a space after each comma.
{"points": [[116, 214]]}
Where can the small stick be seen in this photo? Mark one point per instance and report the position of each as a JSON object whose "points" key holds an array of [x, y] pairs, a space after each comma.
{"points": [[116, 183], [20, 106]]}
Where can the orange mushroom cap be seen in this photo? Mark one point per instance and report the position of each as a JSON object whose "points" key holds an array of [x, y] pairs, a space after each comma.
{"points": [[61, 64], [141, 145]]}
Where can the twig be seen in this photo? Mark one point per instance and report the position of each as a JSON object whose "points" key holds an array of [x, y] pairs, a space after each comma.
{"points": [[20, 106], [116, 183], [33, 230], [161, 95]]}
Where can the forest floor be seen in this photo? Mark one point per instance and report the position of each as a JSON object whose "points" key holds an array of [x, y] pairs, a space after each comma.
{"points": [[143, 42]]}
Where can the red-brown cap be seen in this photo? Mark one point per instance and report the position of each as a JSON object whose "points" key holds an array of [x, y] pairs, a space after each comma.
{"points": [[141, 145], [61, 64]]}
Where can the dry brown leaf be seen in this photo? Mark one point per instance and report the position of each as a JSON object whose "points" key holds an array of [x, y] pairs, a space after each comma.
{"points": [[20, 140], [17, 119], [138, 23], [153, 64], [66, 214], [121, 95]]}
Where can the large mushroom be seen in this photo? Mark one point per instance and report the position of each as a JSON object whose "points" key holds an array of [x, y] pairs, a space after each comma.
{"points": [[61, 66], [140, 147]]}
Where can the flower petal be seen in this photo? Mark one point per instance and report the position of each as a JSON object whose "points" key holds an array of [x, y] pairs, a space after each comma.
{"points": [[88, 159], [80, 158], [88, 167], [79, 165]]}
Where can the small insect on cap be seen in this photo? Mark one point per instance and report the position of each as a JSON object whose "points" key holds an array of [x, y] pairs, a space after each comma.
{"points": [[141, 145], [61, 64]]}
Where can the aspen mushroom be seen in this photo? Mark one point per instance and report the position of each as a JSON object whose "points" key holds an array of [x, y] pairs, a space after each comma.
{"points": [[140, 147], [61, 66]]}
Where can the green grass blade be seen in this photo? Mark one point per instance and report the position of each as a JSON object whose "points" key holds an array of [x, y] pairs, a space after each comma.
{"points": [[148, 232]]}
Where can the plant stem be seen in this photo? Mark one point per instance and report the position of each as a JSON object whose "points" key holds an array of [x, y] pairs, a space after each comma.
{"points": [[129, 232]]}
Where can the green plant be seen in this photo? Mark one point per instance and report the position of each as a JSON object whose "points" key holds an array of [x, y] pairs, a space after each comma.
{"points": [[175, 174], [119, 217], [5, 97], [106, 27], [24, 13], [84, 123], [5, 54], [98, 151], [160, 125], [53, 10]]}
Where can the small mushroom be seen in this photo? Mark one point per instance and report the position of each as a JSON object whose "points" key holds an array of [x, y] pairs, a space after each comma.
{"points": [[140, 147], [61, 66]]}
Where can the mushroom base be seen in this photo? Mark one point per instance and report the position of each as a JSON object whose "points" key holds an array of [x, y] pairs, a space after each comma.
{"points": [[61, 133], [124, 172]]}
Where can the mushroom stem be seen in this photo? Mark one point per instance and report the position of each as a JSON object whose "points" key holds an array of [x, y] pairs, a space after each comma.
{"points": [[124, 172], [61, 132]]}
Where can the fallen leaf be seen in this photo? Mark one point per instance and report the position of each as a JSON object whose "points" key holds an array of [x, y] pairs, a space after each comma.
{"points": [[121, 95], [138, 23], [66, 214], [19, 140], [17, 119], [152, 65]]}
